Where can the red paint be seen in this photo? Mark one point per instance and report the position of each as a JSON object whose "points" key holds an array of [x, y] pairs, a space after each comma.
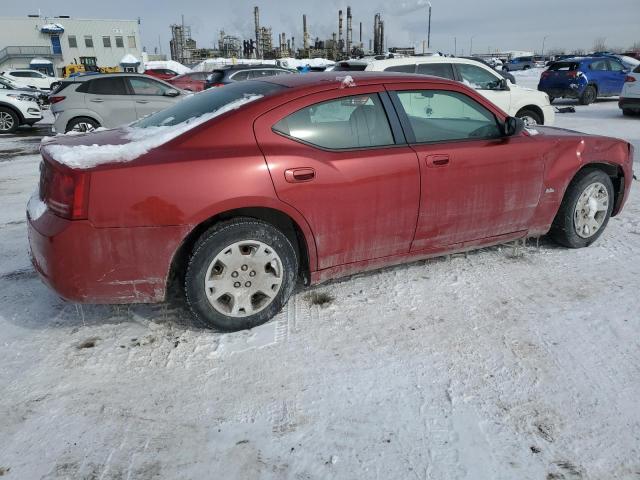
{"points": [[357, 210], [161, 73]]}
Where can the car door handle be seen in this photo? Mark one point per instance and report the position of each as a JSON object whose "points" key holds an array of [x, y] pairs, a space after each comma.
{"points": [[438, 160], [142, 101], [97, 100], [296, 175]]}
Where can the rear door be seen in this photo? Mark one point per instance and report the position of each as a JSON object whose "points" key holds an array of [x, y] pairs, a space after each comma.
{"points": [[149, 95], [338, 159], [109, 98], [617, 73], [475, 183], [599, 74]]}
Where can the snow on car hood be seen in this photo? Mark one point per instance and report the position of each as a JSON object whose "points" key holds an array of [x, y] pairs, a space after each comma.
{"points": [[123, 144]]}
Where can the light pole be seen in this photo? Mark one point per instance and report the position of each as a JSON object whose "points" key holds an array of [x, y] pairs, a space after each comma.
{"points": [[455, 47], [471, 46], [542, 53], [429, 28]]}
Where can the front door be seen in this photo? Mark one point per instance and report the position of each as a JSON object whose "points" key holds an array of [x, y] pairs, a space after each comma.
{"points": [[476, 184], [334, 157], [149, 95], [109, 99]]}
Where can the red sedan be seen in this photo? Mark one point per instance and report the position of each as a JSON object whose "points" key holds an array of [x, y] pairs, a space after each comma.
{"points": [[234, 195], [192, 82], [161, 73]]}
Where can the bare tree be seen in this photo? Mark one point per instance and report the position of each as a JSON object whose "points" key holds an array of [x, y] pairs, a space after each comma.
{"points": [[635, 47], [577, 51], [599, 44], [556, 51]]}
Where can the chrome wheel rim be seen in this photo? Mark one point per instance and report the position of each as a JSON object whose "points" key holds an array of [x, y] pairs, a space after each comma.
{"points": [[243, 279], [83, 127], [529, 121], [6, 121], [591, 210]]}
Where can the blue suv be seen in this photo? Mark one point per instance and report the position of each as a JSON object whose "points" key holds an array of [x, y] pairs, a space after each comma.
{"points": [[584, 78]]}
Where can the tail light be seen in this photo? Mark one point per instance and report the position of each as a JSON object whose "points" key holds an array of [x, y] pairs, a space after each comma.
{"points": [[629, 79], [66, 192], [545, 74], [56, 99], [572, 74]]}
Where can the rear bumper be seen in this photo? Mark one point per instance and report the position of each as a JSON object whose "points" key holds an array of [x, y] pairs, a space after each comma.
{"points": [[629, 102], [85, 264], [556, 92]]}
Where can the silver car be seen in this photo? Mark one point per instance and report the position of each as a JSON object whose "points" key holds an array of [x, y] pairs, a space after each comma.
{"points": [[86, 102]]}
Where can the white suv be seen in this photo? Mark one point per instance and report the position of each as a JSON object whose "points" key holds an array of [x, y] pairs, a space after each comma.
{"points": [[30, 78], [629, 100], [530, 105], [17, 108]]}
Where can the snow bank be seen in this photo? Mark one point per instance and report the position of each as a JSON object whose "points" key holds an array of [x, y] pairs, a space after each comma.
{"points": [[311, 62], [211, 63], [169, 64], [128, 58], [141, 141], [40, 61], [36, 207]]}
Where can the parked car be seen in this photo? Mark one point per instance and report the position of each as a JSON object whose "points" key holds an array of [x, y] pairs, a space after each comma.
{"points": [[495, 66], [41, 97], [30, 78], [584, 78], [530, 105], [16, 109], [519, 63], [629, 100], [87, 102], [557, 58], [254, 187], [161, 73], [191, 82], [234, 73]]}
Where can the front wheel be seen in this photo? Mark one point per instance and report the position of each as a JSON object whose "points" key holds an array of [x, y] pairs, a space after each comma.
{"points": [[530, 117], [585, 209], [240, 274], [9, 121], [82, 125]]}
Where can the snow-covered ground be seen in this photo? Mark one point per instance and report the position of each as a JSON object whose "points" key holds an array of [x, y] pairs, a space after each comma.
{"points": [[512, 362]]}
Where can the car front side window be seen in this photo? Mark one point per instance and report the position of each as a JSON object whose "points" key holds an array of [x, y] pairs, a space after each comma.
{"points": [[479, 78], [345, 123], [441, 115], [146, 86]]}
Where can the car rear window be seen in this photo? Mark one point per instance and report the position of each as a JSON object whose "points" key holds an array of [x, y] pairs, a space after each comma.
{"points": [[60, 86], [402, 68], [208, 101], [567, 66], [215, 76], [345, 66], [637, 69], [104, 86]]}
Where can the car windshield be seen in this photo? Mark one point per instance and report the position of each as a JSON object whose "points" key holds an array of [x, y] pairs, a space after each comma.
{"points": [[208, 102], [566, 66]]}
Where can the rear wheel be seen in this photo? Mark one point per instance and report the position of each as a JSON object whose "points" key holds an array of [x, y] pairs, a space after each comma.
{"points": [[82, 125], [530, 117], [589, 95], [9, 121], [241, 274], [585, 209]]}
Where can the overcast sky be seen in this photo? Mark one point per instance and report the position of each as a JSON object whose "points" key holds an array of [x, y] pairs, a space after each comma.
{"points": [[502, 24]]}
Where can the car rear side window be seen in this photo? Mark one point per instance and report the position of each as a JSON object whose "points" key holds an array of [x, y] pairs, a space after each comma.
{"points": [[241, 75], [146, 86], [345, 123], [615, 66], [105, 86], [443, 70], [478, 77], [442, 116], [599, 65], [402, 68]]}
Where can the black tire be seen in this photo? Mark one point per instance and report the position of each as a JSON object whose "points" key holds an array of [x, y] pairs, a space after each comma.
{"points": [[629, 112], [533, 115], [9, 120], [563, 230], [212, 243], [589, 95], [526, 67], [79, 121]]}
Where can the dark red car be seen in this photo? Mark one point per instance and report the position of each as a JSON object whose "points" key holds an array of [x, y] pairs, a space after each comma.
{"points": [[161, 73], [192, 82], [306, 178]]}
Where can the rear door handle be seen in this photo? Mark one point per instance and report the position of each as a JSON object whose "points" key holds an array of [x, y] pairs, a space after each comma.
{"points": [[97, 100], [438, 160], [142, 101], [297, 175]]}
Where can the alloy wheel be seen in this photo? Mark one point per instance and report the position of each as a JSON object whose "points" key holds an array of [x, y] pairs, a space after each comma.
{"points": [[6, 122], [591, 210]]}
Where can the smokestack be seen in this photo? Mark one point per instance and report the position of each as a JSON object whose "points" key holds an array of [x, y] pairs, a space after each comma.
{"points": [[360, 34], [381, 42], [349, 31], [256, 17], [376, 30], [340, 42], [305, 34]]}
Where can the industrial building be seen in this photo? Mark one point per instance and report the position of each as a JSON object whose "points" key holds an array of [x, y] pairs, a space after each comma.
{"points": [[63, 40]]}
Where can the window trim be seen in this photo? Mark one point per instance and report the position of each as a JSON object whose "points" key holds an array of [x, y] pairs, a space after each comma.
{"points": [[387, 107], [108, 40], [408, 129]]}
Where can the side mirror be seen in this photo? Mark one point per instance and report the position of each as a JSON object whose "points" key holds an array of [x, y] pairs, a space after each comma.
{"points": [[504, 84], [512, 126], [171, 93]]}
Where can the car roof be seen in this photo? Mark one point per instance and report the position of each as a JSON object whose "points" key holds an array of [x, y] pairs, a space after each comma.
{"points": [[337, 79], [86, 78], [248, 66]]}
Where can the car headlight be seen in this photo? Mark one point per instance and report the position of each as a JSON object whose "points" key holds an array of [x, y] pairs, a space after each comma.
{"points": [[22, 97]]}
